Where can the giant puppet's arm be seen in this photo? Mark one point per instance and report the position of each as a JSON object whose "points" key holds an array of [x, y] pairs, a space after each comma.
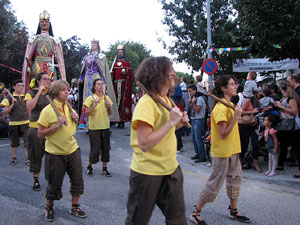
{"points": [[29, 53], [82, 72], [60, 60]]}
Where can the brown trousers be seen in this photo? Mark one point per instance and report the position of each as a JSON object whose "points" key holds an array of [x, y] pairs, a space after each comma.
{"points": [[164, 191], [223, 168], [55, 168], [36, 150]]}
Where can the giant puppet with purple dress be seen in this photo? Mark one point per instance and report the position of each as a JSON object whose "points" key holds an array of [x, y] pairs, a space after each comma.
{"points": [[94, 65], [43, 54], [122, 80]]}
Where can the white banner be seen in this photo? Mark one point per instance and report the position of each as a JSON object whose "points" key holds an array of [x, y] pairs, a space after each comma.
{"points": [[263, 64]]}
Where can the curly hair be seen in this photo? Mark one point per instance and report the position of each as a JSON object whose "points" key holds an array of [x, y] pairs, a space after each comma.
{"points": [[153, 73]]}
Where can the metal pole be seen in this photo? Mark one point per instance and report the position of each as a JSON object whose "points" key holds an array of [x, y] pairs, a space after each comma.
{"points": [[209, 42]]}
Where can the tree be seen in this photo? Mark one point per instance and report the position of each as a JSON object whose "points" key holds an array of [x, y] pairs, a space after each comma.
{"points": [[187, 23], [13, 39], [263, 23], [74, 53]]}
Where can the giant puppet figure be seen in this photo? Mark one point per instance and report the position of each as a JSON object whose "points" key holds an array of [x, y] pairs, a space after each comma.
{"points": [[94, 65], [122, 79], [43, 54]]}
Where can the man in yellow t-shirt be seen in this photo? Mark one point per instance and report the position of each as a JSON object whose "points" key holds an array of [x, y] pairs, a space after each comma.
{"points": [[15, 107], [62, 152], [97, 109], [155, 176]]}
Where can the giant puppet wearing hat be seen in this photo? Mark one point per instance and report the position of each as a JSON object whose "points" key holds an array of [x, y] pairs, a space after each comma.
{"points": [[122, 80], [43, 54], [94, 65]]}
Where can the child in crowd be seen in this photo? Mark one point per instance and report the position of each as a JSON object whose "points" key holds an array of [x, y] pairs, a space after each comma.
{"points": [[272, 142], [250, 85], [199, 84]]}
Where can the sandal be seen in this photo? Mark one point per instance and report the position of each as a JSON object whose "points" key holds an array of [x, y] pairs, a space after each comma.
{"points": [[13, 161], [106, 173], [234, 216], [36, 184], [89, 170], [76, 211], [194, 217], [49, 213]]}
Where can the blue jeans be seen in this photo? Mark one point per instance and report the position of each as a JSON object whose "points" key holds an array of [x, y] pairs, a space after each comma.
{"points": [[197, 130]]}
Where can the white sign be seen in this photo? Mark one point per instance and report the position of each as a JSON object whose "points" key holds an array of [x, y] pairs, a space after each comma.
{"points": [[263, 64]]}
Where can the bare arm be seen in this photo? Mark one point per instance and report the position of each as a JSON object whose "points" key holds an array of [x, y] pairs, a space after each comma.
{"points": [[245, 105], [275, 143], [147, 138], [225, 128], [293, 107]]}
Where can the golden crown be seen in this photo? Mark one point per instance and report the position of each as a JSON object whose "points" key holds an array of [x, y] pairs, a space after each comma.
{"points": [[121, 47], [95, 42], [44, 15]]}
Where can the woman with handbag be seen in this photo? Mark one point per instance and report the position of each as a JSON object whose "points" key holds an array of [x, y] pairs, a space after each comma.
{"points": [[289, 107], [247, 126]]}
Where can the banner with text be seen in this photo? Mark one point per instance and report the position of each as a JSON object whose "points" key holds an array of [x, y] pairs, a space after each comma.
{"points": [[263, 64]]}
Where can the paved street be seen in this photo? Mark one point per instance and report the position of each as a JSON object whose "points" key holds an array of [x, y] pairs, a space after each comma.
{"points": [[267, 201]]}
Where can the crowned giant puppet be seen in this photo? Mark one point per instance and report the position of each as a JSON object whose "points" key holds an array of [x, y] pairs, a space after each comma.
{"points": [[122, 80], [43, 54], [94, 65]]}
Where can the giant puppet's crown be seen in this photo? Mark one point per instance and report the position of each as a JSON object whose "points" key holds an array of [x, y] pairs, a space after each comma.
{"points": [[121, 47], [95, 42], [44, 15]]}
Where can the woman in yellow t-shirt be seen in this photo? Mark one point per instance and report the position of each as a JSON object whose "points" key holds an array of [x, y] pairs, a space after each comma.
{"points": [[35, 101], [97, 109], [155, 176], [225, 149], [62, 152]]}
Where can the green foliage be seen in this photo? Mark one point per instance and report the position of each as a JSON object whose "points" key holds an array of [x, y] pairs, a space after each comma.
{"points": [[187, 23], [13, 39], [74, 53], [264, 23]]}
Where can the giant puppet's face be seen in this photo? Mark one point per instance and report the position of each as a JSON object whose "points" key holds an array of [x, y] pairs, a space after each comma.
{"points": [[44, 25], [94, 47], [121, 54]]}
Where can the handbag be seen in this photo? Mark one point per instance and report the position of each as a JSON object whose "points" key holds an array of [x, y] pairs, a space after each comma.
{"points": [[287, 124], [247, 119]]}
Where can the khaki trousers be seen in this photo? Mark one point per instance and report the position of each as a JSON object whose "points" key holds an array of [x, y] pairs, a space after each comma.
{"points": [[223, 168]]}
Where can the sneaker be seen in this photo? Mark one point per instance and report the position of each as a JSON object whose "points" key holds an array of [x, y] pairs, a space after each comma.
{"points": [[199, 160], [13, 161], [195, 157], [27, 162], [89, 170], [49, 213], [179, 151], [76, 211], [36, 185], [106, 173]]}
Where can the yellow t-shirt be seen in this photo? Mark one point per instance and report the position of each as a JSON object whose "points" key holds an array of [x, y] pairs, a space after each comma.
{"points": [[6, 103], [99, 118], [33, 124], [229, 145], [62, 141], [161, 159]]}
